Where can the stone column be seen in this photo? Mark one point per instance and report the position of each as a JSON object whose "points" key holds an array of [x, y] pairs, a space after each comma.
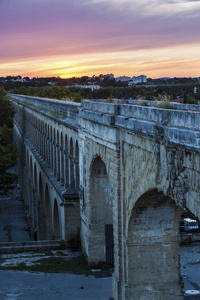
{"points": [[72, 220]]}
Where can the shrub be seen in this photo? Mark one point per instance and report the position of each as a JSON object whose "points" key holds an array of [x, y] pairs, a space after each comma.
{"points": [[164, 104]]}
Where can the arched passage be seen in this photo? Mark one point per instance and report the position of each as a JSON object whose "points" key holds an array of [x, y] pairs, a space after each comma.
{"points": [[72, 181], [34, 198], [54, 153], [58, 155], [48, 226], [66, 171], [27, 160], [61, 159], [152, 249], [100, 214], [77, 165], [31, 167], [41, 212], [56, 221]]}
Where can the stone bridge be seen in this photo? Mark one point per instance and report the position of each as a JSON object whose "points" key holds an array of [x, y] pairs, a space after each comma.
{"points": [[112, 175]]}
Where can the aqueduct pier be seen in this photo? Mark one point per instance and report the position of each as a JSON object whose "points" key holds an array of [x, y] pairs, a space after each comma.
{"points": [[115, 175]]}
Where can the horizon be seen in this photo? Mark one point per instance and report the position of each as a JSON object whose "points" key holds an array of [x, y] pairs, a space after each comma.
{"points": [[49, 39], [37, 77]]}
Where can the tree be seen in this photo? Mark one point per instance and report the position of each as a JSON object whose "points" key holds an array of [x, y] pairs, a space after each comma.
{"points": [[8, 153]]}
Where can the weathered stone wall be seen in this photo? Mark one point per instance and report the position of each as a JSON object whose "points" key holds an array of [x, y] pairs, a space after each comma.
{"points": [[158, 152], [63, 107], [90, 150], [48, 165]]}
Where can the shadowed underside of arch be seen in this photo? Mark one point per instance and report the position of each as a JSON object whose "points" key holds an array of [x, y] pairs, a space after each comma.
{"points": [[152, 249], [100, 214], [56, 221]]}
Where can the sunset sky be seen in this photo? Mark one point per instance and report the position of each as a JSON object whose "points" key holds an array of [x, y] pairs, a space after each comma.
{"points": [[69, 38]]}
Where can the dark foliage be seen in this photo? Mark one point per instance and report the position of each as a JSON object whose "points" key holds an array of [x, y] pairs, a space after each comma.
{"points": [[8, 154]]}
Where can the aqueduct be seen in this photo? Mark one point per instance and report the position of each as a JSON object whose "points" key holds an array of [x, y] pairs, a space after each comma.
{"points": [[117, 175]]}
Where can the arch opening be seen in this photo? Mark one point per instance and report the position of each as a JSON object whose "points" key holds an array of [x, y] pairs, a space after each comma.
{"points": [[72, 181], [48, 226], [152, 248], [101, 243], [41, 211], [56, 221]]}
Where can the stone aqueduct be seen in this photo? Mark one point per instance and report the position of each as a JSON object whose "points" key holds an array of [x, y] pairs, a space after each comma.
{"points": [[117, 171]]}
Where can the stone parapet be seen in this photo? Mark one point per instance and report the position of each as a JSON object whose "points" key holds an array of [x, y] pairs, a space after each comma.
{"points": [[173, 126], [68, 108]]}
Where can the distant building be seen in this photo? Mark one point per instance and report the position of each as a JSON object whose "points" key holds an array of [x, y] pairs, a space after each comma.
{"points": [[87, 86], [138, 79], [111, 76], [18, 79], [123, 78]]}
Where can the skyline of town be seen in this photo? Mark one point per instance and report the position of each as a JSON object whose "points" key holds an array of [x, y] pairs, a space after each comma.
{"points": [[111, 75]]}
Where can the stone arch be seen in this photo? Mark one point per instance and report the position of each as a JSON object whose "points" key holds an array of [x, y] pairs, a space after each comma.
{"points": [[77, 164], [56, 221], [48, 146], [58, 154], [35, 199], [41, 210], [45, 143], [31, 167], [51, 148], [35, 177], [66, 162], [61, 159], [71, 162], [27, 160], [43, 140], [54, 153], [152, 248], [100, 209], [23, 153], [48, 224], [40, 136]]}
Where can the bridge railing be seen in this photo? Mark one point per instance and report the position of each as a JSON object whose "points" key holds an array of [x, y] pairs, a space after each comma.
{"points": [[70, 109], [170, 117], [174, 125]]}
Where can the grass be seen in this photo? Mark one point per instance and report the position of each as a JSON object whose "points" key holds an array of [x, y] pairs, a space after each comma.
{"points": [[57, 263], [57, 114], [77, 265], [163, 104]]}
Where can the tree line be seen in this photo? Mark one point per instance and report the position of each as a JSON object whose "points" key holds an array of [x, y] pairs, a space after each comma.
{"points": [[8, 153], [185, 91]]}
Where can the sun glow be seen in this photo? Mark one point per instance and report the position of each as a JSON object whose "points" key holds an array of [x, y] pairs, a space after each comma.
{"points": [[172, 61]]}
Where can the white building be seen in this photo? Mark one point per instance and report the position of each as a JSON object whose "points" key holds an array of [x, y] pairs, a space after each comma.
{"points": [[138, 79], [132, 80], [86, 86], [123, 78]]}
